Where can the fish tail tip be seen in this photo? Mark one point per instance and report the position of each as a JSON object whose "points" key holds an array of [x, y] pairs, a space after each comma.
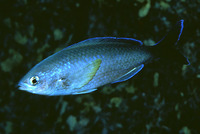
{"points": [[188, 62], [181, 21]]}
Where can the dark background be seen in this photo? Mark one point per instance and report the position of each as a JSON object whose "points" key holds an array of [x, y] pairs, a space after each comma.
{"points": [[163, 98]]}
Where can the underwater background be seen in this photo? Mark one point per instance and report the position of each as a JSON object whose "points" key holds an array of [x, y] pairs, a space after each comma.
{"points": [[164, 97]]}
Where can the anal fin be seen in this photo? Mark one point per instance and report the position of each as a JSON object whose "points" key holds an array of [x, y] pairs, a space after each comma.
{"points": [[130, 74], [84, 91]]}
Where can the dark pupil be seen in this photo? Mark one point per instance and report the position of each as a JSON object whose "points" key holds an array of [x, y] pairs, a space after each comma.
{"points": [[34, 81]]}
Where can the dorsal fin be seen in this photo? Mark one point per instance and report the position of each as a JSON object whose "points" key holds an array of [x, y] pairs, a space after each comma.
{"points": [[107, 41]]}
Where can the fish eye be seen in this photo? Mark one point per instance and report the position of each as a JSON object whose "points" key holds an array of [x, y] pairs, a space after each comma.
{"points": [[34, 80]]}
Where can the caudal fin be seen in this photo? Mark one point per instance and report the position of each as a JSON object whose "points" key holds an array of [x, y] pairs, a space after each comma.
{"points": [[166, 48]]}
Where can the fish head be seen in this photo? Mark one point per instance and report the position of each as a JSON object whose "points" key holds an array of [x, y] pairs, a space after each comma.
{"points": [[44, 81], [37, 81]]}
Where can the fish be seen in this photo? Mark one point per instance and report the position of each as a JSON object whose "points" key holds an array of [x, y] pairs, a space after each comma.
{"points": [[85, 66]]}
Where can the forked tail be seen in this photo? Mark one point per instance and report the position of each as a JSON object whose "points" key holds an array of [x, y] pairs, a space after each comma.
{"points": [[166, 47]]}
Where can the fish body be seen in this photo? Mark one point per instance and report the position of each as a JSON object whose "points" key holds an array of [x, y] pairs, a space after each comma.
{"points": [[87, 65]]}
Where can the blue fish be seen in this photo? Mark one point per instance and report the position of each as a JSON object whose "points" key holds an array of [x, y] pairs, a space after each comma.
{"points": [[89, 64]]}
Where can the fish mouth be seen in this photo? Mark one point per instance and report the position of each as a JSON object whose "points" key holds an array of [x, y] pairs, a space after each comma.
{"points": [[24, 86], [31, 89]]}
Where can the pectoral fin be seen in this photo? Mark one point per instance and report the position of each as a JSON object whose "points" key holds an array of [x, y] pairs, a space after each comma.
{"points": [[87, 73], [130, 74]]}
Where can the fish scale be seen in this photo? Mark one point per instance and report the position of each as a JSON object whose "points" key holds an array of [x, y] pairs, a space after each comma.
{"points": [[123, 60]]}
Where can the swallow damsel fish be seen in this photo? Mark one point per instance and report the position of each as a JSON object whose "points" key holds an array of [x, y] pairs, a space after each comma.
{"points": [[83, 67]]}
